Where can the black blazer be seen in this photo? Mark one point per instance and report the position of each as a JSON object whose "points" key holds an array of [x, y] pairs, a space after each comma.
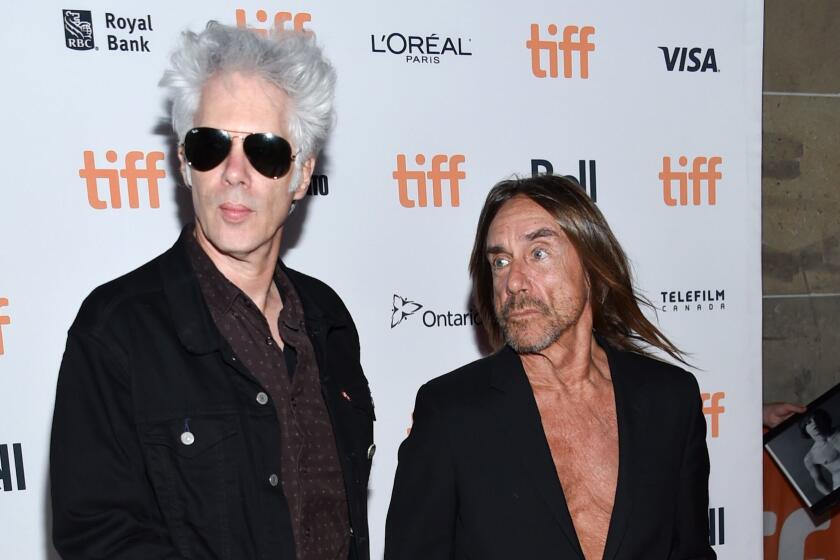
{"points": [[144, 361], [476, 479]]}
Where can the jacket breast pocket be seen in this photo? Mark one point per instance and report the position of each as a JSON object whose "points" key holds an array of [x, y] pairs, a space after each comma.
{"points": [[190, 462]]}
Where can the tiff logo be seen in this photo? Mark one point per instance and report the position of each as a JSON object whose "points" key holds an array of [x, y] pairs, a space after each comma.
{"points": [[703, 170], [543, 166], [297, 20], [713, 409], [4, 320], [444, 169], [717, 532], [148, 171], [6, 468], [568, 46]]}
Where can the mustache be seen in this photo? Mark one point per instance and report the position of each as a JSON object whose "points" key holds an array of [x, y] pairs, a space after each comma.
{"points": [[523, 302]]}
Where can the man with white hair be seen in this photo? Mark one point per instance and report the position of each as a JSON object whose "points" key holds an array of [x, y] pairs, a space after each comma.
{"points": [[211, 403]]}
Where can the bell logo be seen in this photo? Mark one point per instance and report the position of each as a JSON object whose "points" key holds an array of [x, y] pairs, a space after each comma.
{"points": [[703, 170], [717, 530], [444, 169], [543, 166], [713, 409], [319, 185], [297, 20], [148, 171], [4, 320], [575, 39], [6, 468]]}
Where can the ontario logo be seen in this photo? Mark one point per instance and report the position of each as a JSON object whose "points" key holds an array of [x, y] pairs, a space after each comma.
{"points": [[420, 49], [78, 30], [403, 308]]}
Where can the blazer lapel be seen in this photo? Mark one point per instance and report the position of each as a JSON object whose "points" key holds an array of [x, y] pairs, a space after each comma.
{"points": [[517, 416], [627, 412]]}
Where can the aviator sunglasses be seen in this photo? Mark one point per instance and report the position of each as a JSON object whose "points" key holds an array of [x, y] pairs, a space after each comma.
{"points": [[269, 154]]}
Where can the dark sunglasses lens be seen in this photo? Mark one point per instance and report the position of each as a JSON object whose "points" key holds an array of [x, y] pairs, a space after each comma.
{"points": [[271, 155], [205, 148]]}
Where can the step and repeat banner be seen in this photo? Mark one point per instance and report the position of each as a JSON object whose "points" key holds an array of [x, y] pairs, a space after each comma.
{"points": [[790, 532], [654, 107]]}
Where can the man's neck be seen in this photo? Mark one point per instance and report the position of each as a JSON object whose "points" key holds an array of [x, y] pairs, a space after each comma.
{"points": [[252, 273], [573, 359]]}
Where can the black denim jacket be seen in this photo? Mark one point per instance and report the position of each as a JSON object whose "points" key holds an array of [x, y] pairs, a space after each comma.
{"points": [[162, 446]]}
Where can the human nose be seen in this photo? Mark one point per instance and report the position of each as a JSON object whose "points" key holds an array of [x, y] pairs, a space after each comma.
{"points": [[517, 277], [236, 164]]}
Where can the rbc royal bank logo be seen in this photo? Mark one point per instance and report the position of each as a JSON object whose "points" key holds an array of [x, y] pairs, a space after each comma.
{"points": [[78, 30], [445, 171], [574, 40], [704, 171], [137, 166]]}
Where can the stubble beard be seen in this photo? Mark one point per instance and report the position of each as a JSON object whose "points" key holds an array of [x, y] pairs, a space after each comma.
{"points": [[533, 335]]}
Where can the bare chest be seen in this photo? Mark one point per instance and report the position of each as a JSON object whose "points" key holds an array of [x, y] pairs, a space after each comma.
{"points": [[582, 435]]}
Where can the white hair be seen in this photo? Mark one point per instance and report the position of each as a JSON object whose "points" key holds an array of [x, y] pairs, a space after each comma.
{"points": [[290, 60]]}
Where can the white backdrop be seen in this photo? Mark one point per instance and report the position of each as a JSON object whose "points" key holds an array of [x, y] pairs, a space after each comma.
{"points": [[621, 111]]}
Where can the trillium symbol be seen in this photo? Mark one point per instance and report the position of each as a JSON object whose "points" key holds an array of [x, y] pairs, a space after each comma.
{"points": [[403, 308]]}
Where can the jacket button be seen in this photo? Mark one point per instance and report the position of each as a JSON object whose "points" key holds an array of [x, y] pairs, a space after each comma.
{"points": [[187, 438], [262, 398], [273, 480]]}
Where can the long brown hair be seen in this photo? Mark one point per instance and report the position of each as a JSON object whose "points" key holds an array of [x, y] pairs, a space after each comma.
{"points": [[616, 312]]}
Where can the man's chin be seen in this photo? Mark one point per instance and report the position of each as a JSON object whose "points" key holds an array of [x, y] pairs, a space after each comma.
{"points": [[525, 343]]}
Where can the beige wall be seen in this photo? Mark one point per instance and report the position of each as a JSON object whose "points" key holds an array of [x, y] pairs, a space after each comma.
{"points": [[801, 198]]}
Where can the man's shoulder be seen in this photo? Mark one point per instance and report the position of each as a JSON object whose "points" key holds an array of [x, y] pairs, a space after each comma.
{"points": [[656, 373], [105, 303], [313, 286], [462, 384], [316, 293]]}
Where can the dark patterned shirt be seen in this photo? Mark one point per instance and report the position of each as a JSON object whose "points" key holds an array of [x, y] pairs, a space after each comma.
{"points": [[310, 470]]}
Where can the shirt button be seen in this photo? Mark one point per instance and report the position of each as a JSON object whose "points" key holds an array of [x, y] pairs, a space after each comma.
{"points": [[273, 480], [262, 398], [187, 438], [269, 341]]}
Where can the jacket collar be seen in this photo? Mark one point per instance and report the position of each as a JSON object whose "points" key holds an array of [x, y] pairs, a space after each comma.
{"points": [[520, 418], [190, 314], [193, 322]]}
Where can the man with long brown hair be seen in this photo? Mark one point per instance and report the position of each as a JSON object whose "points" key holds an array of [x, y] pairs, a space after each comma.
{"points": [[572, 440]]}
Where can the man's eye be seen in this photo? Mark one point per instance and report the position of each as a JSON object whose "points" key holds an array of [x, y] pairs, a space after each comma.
{"points": [[499, 262], [540, 254]]}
